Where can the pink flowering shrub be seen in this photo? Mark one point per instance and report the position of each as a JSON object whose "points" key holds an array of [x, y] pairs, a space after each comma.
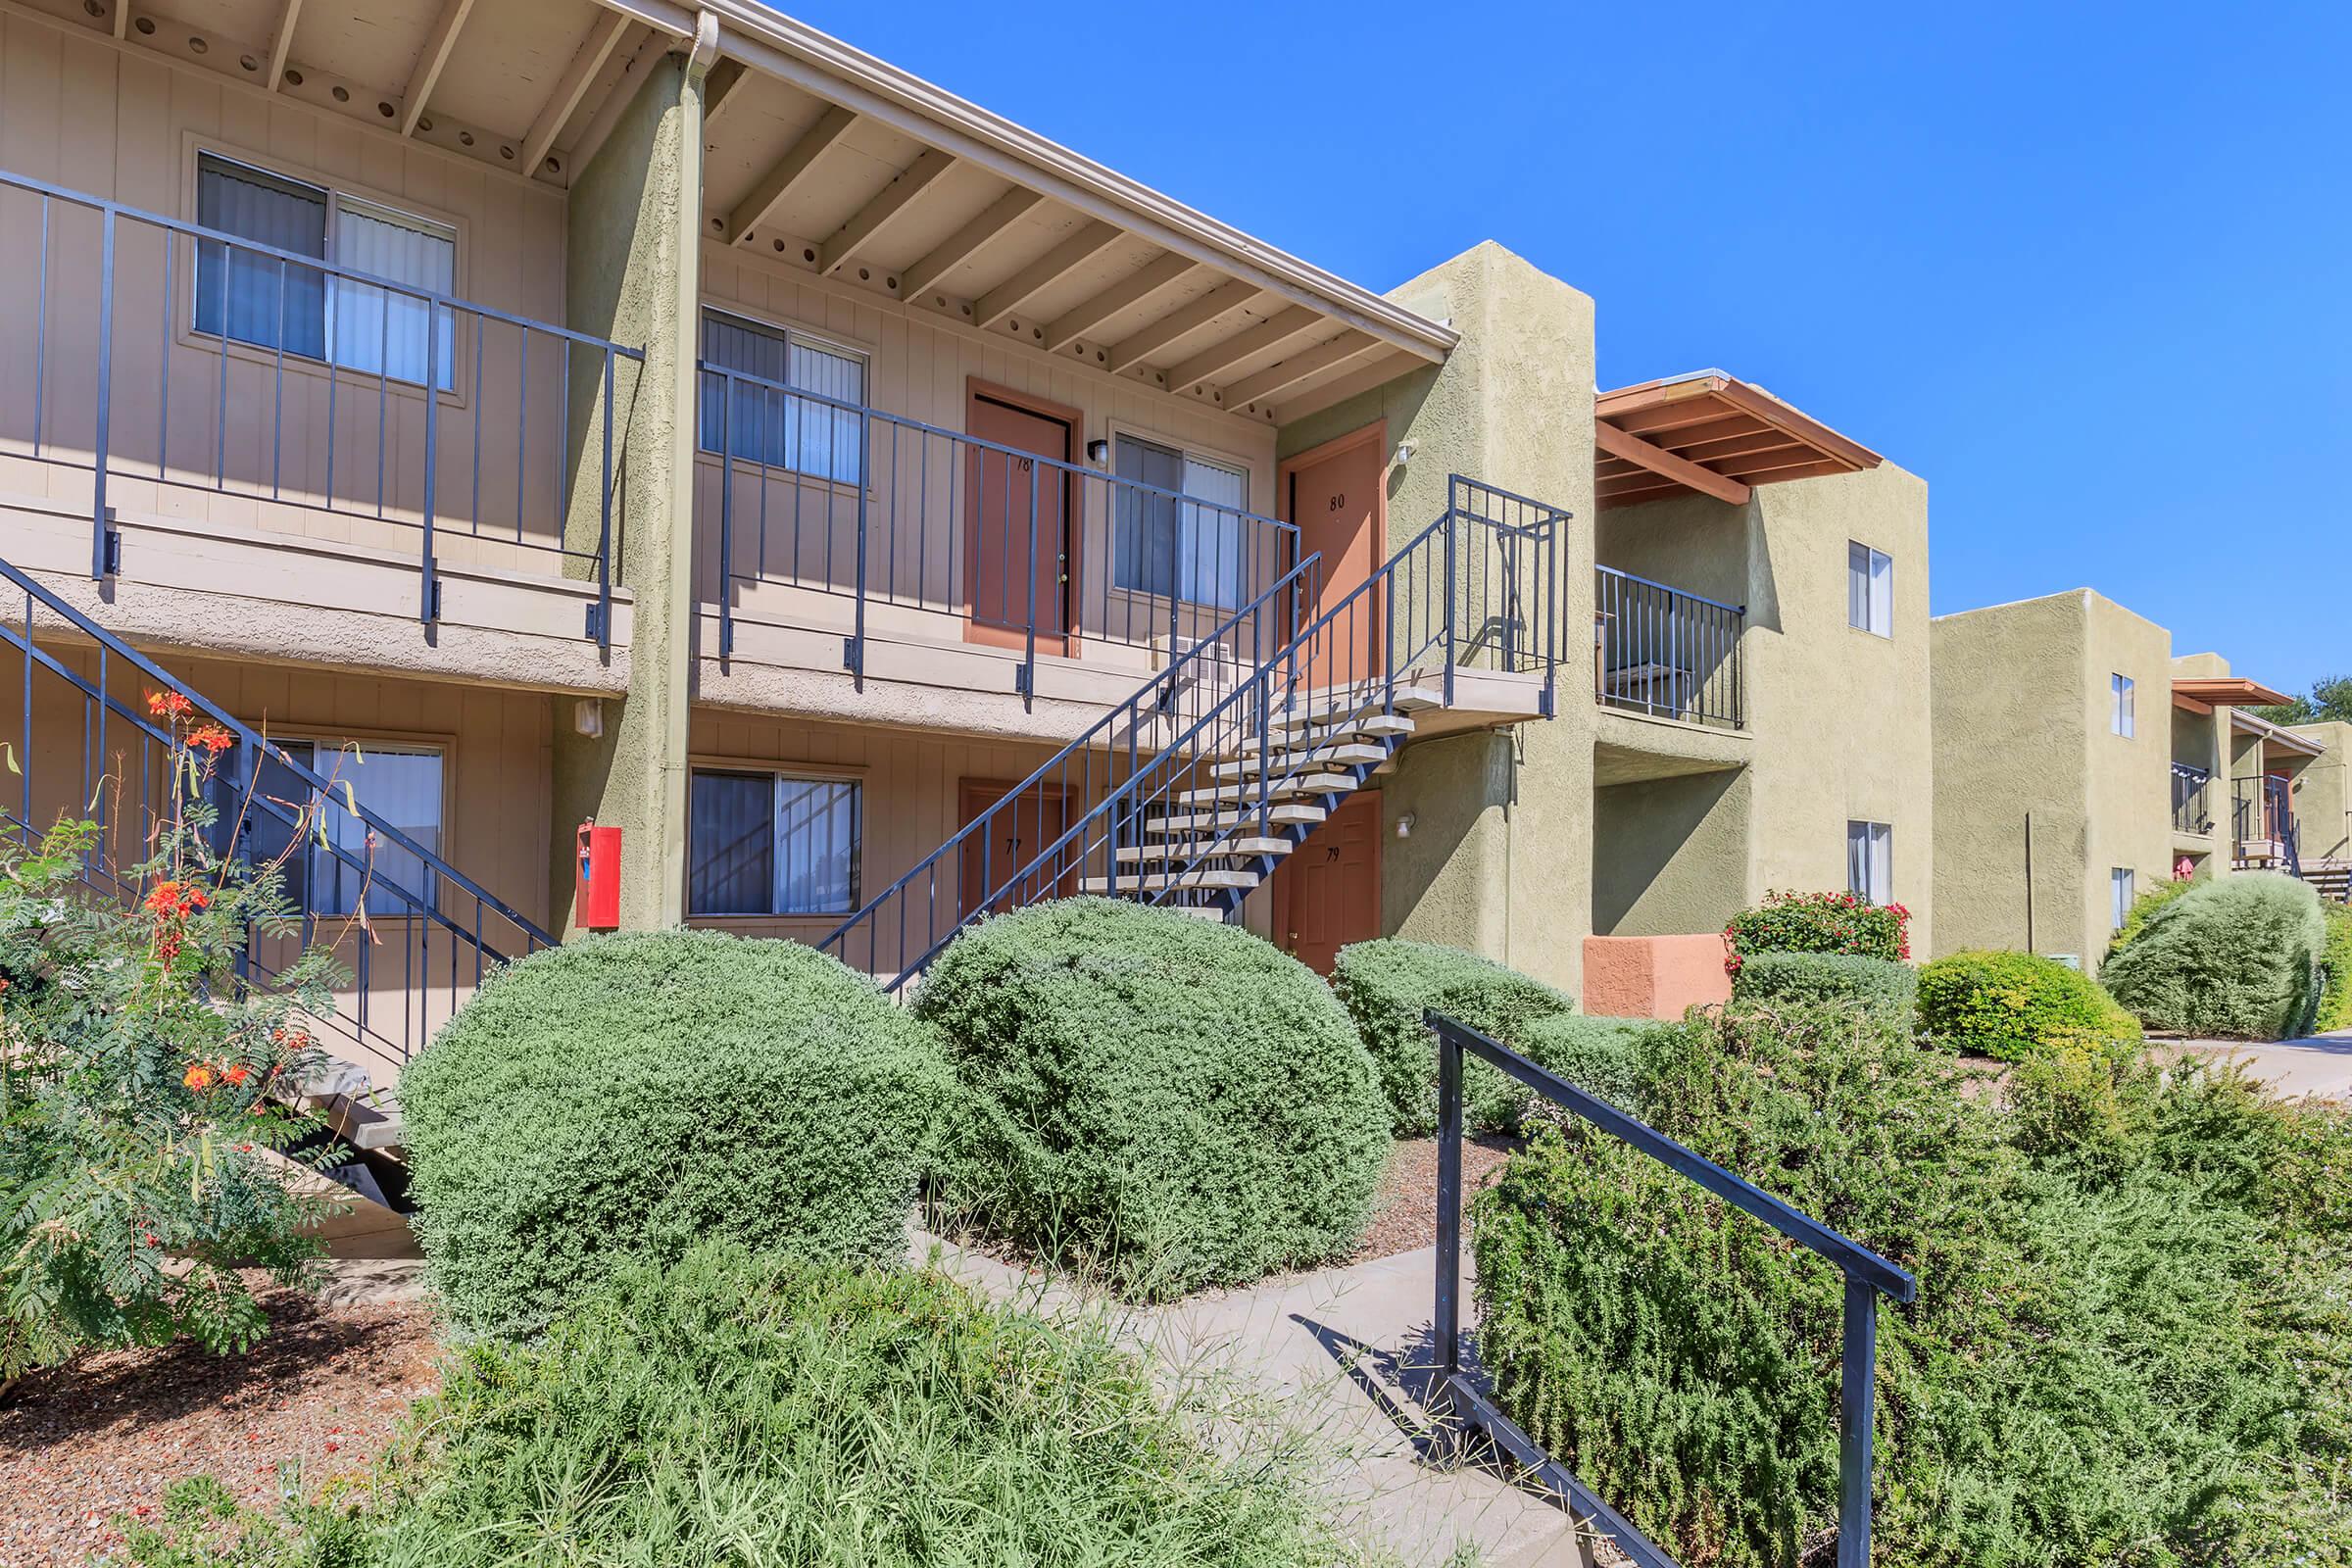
{"points": [[1818, 923]]}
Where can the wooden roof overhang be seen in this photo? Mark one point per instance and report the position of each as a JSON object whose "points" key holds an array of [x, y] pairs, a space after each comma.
{"points": [[822, 159], [1711, 434], [2274, 737], [2209, 692]]}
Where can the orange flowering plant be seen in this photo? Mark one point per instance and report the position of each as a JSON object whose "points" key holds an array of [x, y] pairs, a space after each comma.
{"points": [[149, 1144]]}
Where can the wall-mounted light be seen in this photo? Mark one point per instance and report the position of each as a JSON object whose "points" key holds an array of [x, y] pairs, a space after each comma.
{"points": [[1401, 456], [1404, 826], [588, 716], [1098, 452]]}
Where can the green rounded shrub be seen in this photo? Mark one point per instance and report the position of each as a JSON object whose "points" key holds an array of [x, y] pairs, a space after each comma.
{"points": [[1389, 985], [1816, 977], [1168, 1101], [1818, 923], [2233, 959], [1606, 1057], [622, 1096], [2335, 989], [2015, 1005], [2144, 907]]}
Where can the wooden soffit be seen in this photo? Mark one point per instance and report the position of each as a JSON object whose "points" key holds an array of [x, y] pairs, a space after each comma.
{"points": [[1708, 433], [2227, 691]]}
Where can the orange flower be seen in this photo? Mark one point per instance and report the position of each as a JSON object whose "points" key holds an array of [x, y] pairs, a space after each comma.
{"points": [[198, 1077], [211, 737], [169, 705], [236, 1074], [172, 899]]}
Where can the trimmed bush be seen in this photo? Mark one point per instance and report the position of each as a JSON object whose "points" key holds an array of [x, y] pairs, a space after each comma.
{"points": [[2233, 959], [1169, 1102], [1818, 923], [2015, 1005], [623, 1097], [1388, 985], [1606, 1056], [2335, 992], [2143, 908], [1805, 978]]}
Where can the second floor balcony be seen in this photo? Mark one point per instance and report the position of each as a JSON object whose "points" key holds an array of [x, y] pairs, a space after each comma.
{"points": [[2192, 799], [1663, 652]]}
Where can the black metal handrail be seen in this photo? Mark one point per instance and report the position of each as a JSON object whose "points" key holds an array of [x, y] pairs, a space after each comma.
{"points": [[2192, 799], [1663, 651], [450, 929], [2261, 811], [881, 509], [1867, 1276], [253, 431]]}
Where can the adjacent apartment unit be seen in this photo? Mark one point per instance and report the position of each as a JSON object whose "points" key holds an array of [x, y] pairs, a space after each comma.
{"points": [[509, 417]]}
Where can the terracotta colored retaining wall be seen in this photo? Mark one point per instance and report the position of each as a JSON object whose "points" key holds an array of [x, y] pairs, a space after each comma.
{"points": [[1654, 977]]}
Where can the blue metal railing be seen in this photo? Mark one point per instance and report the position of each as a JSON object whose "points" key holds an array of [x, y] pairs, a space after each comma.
{"points": [[820, 492], [1666, 651], [416, 946], [131, 295], [1180, 798], [1867, 1276], [2261, 816]]}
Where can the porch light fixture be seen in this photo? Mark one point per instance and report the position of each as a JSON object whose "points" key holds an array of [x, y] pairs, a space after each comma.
{"points": [[1098, 452], [1401, 456], [1404, 826], [588, 716]]}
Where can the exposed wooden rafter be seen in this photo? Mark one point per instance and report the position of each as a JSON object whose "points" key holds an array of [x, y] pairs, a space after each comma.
{"points": [[789, 170], [121, 19], [603, 36], [722, 87], [280, 43], [1658, 461], [1180, 324], [999, 304], [1211, 362], [437, 46], [1307, 362], [969, 241], [1162, 271], [872, 220]]}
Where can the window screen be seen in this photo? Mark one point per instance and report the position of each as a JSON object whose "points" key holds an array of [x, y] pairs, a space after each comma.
{"points": [[767, 844], [771, 427], [2125, 720], [1194, 547], [1869, 590], [402, 785], [2121, 889], [1870, 860]]}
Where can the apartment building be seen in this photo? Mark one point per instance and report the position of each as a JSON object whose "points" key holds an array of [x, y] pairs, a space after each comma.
{"points": [[2080, 762], [505, 415]]}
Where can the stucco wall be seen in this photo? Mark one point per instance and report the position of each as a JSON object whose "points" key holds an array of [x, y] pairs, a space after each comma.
{"points": [[2128, 778], [1669, 854], [1499, 861], [2324, 803]]}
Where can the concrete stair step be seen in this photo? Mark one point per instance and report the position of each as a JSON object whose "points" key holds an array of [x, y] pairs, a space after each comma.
{"points": [[1293, 813], [1162, 881], [1344, 753], [1297, 728], [1200, 849], [1281, 789]]}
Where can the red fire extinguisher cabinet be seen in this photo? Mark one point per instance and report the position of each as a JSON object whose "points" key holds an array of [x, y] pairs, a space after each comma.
{"points": [[598, 891]]}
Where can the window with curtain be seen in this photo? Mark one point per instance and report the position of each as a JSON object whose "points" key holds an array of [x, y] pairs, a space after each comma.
{"points": [[2122, 885], [2125, 720], [1193, 545], [1869, 590], [401, 784], [279, 304], [770, 426], [772, 843], [1870, 860]]}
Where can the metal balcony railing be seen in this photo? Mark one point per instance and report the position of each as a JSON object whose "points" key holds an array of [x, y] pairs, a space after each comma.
{"points": [[2192, 799], [1658, 649], [2261, 819], [160, 356], [1030, 552]]}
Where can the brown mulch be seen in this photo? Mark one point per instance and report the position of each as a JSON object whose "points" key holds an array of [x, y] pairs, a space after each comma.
{"points": [[1405, 1213], [106, 1433]]}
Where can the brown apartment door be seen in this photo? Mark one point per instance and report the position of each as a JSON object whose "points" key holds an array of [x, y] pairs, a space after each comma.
{"points": [[1333, 494], [1019, 835], [1000, 573], [1327, 890]]}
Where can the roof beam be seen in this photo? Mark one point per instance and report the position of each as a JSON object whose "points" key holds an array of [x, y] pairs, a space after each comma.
{"points": [[121, 19], [724, 84], [590, 59], [969, 241], [789, 170], [1289, 372], [870, 222], [1230, 295], [1219, 358], [1000, 303], [1664, 463], [279, 44], [1321, 393], [435, 55], [1124, 295]]}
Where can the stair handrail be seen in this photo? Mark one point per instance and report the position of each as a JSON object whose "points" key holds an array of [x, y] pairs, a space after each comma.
{"points": [[1144, 704], [259, 746]]}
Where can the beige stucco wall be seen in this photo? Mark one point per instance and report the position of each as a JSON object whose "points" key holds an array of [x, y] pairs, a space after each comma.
{"points": [[1670, 855], [2323, 799], [2023, 726], [1500, 859]]}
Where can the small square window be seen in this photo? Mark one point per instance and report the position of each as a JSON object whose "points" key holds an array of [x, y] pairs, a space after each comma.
{"points": [[771, 844], [1869, 590], [1870, 860], [2125, 718]]}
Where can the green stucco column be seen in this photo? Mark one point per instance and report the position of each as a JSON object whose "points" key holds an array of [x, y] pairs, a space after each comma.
{"points": [[630, 276]]}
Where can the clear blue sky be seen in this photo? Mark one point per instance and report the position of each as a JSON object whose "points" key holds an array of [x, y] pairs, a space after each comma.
{"points": [[2089, 269]]}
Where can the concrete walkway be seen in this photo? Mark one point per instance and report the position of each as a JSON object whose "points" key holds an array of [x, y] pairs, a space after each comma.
{"points": [[2320, 1064], [1340, 1360]]}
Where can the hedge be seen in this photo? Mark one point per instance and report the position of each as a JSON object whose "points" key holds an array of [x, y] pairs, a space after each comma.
{"points": [[1164, 1100], [1607, 1057], [2234, 957], [1389, 985], [622, 1096], [1812, 977], [2015, 1005], [2336, 994], [2143, 908], [1818, 923]]}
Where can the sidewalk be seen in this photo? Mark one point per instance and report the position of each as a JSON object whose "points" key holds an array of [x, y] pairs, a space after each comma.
{"points": [[2318, 1064]]}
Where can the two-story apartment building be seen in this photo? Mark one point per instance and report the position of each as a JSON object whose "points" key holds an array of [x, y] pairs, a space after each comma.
{"points": [[508, 414]]}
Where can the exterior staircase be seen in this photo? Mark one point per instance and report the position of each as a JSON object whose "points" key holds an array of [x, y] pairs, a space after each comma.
{"points": [[1192, 792]]}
